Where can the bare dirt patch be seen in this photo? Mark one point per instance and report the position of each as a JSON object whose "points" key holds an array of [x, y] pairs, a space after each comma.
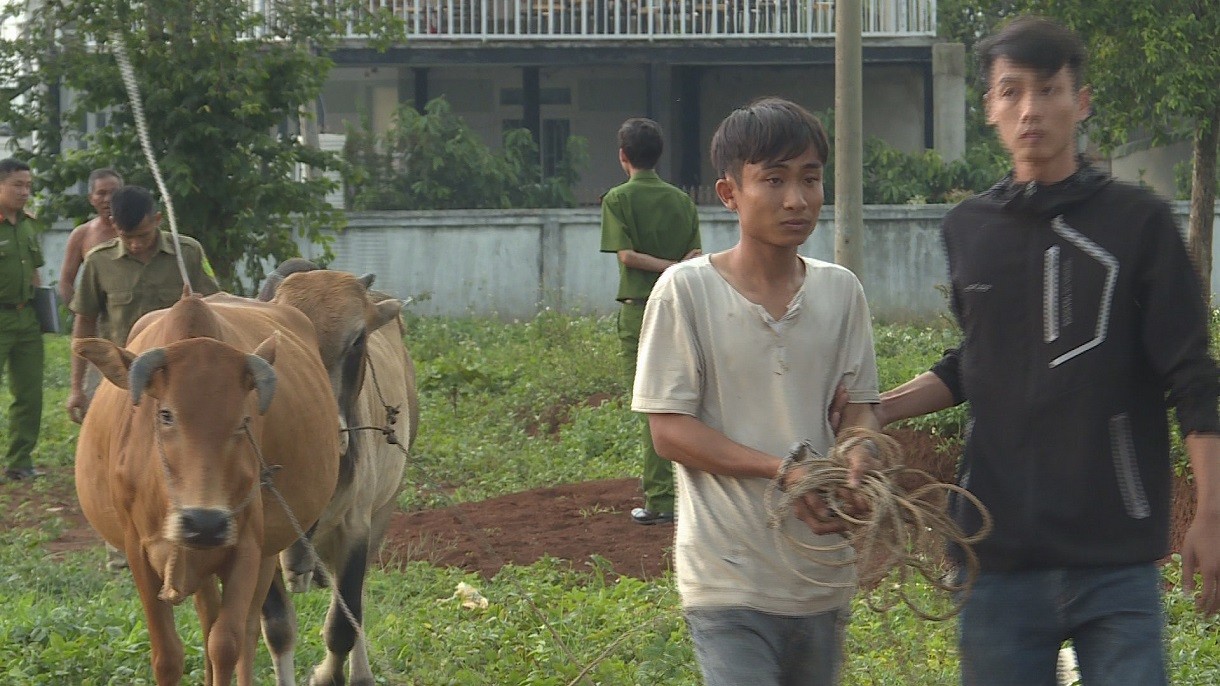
{"points": [[574, 522]]}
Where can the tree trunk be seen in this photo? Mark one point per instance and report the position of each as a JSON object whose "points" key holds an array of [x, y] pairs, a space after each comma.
{"points": [[1203, 199]]}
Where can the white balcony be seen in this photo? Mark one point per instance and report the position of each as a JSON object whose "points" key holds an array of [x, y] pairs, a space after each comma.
{"points": [[634, 20]]}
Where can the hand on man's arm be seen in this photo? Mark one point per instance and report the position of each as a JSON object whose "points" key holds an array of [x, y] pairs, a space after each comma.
{"points": [[649, 263], [813, 508]]}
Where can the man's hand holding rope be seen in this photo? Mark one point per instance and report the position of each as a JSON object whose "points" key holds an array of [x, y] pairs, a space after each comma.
{"points": [[812, 507]]}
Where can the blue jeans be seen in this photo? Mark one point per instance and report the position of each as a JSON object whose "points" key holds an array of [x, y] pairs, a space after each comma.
{"points": [[1013, 624], [742, 647]]}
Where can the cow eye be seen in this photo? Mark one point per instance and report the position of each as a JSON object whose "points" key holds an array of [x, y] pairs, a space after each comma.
{"points": [[166, 417]]}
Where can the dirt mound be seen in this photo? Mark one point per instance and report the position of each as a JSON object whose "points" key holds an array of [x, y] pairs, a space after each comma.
{"points": [[575, 522]]}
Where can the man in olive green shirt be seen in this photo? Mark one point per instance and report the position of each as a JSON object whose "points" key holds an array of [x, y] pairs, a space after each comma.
{"points": [[650, 225], [130, 276], [20, 336]]}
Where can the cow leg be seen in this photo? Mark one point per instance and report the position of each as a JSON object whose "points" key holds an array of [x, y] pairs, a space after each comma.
{"points": [[362, 671], [298, 562], [380, 522], [163, 640], [207, 606], [280, 631], [339, 632], [228, 638], [249, 647]]}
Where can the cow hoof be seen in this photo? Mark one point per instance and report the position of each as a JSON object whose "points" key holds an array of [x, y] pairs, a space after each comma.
{"points": [[319, 678]]}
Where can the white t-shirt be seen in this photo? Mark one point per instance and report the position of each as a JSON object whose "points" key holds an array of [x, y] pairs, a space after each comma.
{"points": [[707, 352]]}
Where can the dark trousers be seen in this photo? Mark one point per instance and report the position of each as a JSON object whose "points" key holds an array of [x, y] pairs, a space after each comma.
{"points": [[657, 479], [21, 354]]}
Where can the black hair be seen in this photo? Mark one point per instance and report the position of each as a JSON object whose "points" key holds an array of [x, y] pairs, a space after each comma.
{"points": [[9, 166], [129, 206], [641, 141], [769, 129], [103, 173], [1035, 42]]}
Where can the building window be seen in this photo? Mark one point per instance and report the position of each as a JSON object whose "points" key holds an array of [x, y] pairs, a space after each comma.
{"points": [[554, 144], [546, 96]]}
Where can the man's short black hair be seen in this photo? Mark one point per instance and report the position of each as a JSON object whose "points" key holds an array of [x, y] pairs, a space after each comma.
{"points": [[10, 165], [1035, 42], [769, 129], [103, 173], [641, 141], [130, 206]]}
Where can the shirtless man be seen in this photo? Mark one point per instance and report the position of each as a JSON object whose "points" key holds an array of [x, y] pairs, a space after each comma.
{"points": [[87, 236]]}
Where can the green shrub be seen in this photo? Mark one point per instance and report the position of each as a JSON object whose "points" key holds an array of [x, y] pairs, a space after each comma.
{"points": [[894, 177], [435, 161]]}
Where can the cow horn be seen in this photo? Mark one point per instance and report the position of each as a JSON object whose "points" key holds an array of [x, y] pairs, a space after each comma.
{"points": [[264, 380], [367, 280], [142, 369]]}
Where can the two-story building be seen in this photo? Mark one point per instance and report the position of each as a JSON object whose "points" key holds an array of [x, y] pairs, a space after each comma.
{"points": [[580, 67]]}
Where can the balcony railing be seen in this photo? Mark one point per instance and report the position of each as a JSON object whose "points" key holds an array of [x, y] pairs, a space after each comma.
{"points": [[583, 20]]}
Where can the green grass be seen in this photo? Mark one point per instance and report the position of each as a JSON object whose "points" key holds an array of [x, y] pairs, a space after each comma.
{"points": [[505, 408]]}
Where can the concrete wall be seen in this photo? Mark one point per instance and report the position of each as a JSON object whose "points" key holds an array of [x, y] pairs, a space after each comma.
{"points": [[509, 264], [1151, 166]]}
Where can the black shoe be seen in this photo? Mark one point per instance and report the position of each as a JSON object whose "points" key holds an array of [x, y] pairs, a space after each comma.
{"points": [[642, 515], [23, 474]]}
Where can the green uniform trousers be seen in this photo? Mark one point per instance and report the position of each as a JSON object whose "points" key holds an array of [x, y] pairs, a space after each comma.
{"points": [[21, 353], [658, 477]]}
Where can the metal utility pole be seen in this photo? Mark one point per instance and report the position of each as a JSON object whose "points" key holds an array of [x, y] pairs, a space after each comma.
{"points": [[849, 136]]}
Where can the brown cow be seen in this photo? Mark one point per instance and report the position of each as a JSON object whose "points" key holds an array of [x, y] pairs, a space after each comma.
{"points": [[209, 398], [360, 335]]}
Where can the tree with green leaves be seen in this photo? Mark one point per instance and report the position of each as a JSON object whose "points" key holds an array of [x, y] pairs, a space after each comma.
{"points": [[1154, 69], [227, 95]]}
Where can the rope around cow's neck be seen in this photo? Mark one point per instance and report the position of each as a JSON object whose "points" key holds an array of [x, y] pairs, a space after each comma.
{"points": [[170, 592], [904, 524]]}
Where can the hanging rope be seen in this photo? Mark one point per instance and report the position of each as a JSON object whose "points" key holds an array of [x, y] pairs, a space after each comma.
{"points": [[137, 113], [906, 521]]}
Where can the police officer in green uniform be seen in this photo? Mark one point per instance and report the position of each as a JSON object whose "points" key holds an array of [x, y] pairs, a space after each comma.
{"points": [[20, 336], [130, 276], [650, 225]]}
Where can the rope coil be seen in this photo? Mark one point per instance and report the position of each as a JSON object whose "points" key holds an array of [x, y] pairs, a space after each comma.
{"points": [[906, 521]]}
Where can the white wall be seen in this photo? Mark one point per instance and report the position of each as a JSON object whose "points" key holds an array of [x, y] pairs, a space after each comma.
{"points": [[511, 263]]}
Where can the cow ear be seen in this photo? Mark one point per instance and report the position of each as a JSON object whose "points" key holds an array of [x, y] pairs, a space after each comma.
{"points": [[114, 362], [386, 312]]}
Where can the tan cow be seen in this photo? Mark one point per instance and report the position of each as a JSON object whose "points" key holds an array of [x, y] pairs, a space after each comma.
{"points": [[360, 335], [209, 398]]}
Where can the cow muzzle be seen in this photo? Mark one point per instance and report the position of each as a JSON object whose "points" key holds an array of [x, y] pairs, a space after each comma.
{"points": [[199, 527]]}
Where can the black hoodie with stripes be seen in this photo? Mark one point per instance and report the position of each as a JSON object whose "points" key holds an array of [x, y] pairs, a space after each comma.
{"points": [[1082, 323]]}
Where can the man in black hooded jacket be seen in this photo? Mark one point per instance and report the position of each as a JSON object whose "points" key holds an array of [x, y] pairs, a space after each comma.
{"points": [[1082, 323]]}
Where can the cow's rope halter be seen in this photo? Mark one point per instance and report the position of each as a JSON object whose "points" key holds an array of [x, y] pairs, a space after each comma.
{"points": [[391, 414], [169, 592], [388, 431], [905, 521]]}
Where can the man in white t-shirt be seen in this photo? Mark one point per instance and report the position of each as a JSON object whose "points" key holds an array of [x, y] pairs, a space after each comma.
{"points": [[740, 354]]}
